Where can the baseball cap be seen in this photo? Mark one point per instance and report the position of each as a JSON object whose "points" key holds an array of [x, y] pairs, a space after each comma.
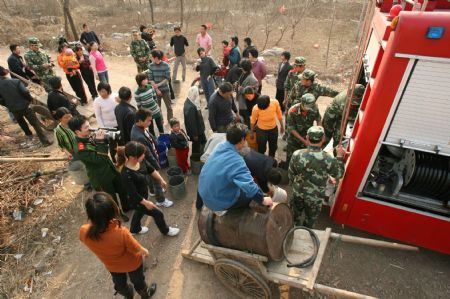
{"points": [[308, 100], [34, 41], [315, 134], [308, 74], [300, 60]]}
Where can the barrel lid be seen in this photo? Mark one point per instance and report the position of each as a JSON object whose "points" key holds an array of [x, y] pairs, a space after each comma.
{"points": [[278, 225]]}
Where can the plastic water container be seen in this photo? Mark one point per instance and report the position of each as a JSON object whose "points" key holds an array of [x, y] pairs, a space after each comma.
{"points": [[162, 152], [177, 186], [164, 138]]}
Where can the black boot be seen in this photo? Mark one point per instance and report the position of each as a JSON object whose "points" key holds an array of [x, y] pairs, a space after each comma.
{"points": [[148, 291], [128, 293]]}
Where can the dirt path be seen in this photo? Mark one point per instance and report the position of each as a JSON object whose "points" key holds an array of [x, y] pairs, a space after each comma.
{"points": [[77, 273]]}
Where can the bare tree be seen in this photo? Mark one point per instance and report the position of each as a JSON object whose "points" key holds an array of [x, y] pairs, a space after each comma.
{"points": [[296, 15], [68, 17], [150, 2], [270, 16], [329, 34], [181, 12]]}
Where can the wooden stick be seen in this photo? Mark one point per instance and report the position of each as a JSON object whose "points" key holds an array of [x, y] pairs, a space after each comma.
{"points": [[323, 289], [34, 159], [370, 242]]}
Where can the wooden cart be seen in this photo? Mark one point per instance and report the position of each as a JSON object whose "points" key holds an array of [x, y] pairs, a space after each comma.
{"points": [[39, 104], [247, 275]]}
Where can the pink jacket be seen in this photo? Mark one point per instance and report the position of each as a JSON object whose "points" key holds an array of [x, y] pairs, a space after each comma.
{"points": [[97, 62]]}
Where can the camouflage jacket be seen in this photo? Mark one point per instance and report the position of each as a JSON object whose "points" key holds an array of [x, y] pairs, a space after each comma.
{"points": [[36, 60], [291, 79], [316, 89], [140, 49], [300, 121], [333, 117], [309, 170]]}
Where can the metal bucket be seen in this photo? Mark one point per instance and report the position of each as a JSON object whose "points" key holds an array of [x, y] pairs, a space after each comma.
{"points": [[177, 186], [173, 171], [77, 170], [196, 164], [246, 229]]}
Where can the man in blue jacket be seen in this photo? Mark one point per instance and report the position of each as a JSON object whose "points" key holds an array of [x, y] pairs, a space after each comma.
{"points": [[225, 181]]}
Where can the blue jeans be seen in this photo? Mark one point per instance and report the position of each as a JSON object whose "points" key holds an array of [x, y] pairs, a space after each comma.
{"points": [[103, 76], [208, 87]]}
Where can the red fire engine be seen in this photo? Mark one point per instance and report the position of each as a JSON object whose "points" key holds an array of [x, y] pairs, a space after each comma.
{"points": [[397, 178]]}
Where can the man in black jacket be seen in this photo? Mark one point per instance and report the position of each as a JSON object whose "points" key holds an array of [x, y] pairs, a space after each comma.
{"points": [[17, 65], [56, 98], [140, 133], [222, 108], [16, 97], [125, 114], [88, 36], [207, 67], [283, 70]]}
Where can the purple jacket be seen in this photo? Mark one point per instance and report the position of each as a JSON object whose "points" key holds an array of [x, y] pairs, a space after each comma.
{"points": [[259, 70]]}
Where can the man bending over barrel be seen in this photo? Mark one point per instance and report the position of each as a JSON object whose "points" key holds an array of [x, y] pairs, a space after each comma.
{"points": [[225, 181]]}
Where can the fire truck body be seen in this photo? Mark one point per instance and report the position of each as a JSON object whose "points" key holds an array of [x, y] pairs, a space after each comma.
{"points": [[397, 178]]}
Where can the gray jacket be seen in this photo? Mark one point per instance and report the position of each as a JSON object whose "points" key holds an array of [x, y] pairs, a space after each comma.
{"points": [[249, 81], [14, 95]]}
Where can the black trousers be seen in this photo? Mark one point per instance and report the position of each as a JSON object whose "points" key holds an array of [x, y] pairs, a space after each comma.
{"points": [[77, 85], [137, 279], [245, 117], [29, 115], [88, 77], [242, 202], [158, 216], [280, 97], [267, 136], [199, 145], [159, 125], [113, 187]]}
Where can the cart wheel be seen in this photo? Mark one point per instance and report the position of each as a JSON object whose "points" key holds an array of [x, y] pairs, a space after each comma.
{"points": [[241, 280], [44, 117]]}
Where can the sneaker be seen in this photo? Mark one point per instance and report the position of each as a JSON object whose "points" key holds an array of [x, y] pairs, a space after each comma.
{"points": [[166, 203], [144, 230], [173, 231]]}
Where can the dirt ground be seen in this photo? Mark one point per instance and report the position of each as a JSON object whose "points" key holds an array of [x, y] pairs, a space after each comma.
{"points": [[74, 272]]}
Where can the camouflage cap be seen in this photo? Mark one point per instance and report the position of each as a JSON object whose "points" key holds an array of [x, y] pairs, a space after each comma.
{"points": [[358, 94], [34, 41], [300, 60], [308, 74], [308, 99], [315, 134]]}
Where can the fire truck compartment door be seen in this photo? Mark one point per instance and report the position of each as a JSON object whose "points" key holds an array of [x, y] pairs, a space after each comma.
{"points": [[422, 117]]}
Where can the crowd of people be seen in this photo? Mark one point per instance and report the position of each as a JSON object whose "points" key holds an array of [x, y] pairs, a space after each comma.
{"points": [[125, 171]]}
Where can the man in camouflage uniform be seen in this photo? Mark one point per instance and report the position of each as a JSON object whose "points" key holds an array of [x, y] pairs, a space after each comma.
{"points": [[307, 85], [300, 118], [333, 115], [140, 51], [39, 62], [309, 172], [292, 78]]}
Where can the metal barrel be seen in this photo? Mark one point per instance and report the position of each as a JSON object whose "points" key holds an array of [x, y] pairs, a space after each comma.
{"points": [[177, 186], [173, 171], [247, 230]]}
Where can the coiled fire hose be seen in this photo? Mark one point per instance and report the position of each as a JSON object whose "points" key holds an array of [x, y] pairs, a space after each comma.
{"points": [[316, 243]]}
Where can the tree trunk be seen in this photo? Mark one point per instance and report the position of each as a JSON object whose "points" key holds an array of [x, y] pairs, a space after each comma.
{"points": [[150, 2], [181, 12], [329, 35], [69, 17], [66, 24]]}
